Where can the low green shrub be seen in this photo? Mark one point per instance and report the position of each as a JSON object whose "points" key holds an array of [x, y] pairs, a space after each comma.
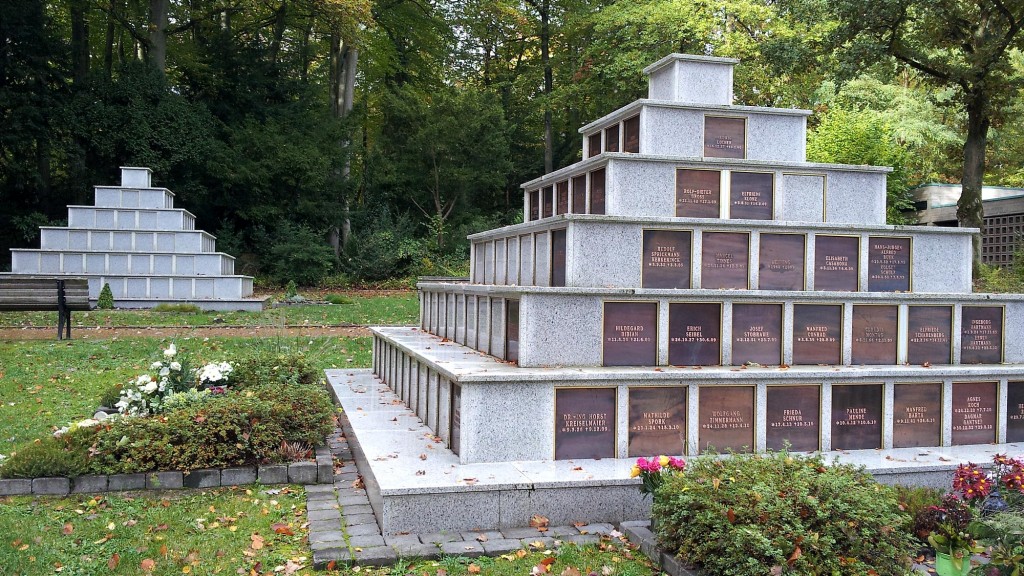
{"points": [[305, 411], [265, 367], [106, 298], [111, 395], [915, 502], [226, 430], [337, 299], [64, 456], [751, 514], [177, 308]]}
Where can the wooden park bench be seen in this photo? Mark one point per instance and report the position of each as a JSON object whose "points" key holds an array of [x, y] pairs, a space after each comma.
{"points": [[40, 293]]}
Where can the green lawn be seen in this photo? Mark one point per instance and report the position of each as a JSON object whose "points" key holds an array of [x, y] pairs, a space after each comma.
{"points": [[395, 309], [217, 531], [47, 384]]}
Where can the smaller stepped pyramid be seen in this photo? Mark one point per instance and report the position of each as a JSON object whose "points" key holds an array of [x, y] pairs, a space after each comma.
{"points": [[147, 250]]}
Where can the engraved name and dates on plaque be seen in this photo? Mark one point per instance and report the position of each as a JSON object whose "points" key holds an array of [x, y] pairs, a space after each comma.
{"points": [[584, 423], [657, 421], [666, 259]]}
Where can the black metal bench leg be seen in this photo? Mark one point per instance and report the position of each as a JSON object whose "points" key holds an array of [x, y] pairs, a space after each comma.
{"points": [[63, 314]]}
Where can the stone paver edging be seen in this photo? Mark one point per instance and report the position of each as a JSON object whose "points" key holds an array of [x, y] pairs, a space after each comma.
{"points": [[343, 529], [320, 471]]}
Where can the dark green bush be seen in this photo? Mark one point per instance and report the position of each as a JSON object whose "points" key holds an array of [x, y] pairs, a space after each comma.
{"points": [[134, 445], [751, 514], [305, 411], [229, 430], [64, 456], [265, 367], [106, 298]]}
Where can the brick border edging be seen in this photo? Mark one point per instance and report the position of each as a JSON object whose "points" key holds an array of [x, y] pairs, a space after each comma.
{"points": [[320, 471]]}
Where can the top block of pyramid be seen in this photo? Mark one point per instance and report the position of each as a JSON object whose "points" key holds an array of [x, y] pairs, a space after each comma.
{"points": [[691, 79]]}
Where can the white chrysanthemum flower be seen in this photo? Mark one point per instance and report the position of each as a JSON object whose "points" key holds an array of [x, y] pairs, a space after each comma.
{"points": [[143, 380], [176, 366], [165, 371], [170, 351], [150, 387], [155, 365]]}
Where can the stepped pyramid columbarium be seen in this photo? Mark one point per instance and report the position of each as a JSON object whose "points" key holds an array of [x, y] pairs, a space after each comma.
{"points": [[692, 283], [134, 239]]}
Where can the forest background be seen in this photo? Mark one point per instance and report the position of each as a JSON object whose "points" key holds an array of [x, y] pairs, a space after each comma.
{"points": [[340, 142]]}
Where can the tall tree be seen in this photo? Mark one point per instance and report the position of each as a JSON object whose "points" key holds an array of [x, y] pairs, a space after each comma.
{"points": [[961, 43]]}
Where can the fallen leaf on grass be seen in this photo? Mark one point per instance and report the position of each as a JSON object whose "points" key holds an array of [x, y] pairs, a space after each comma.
{"points": [[473, 569], [570, 571], [257, 541], [114, 560], [68, 528], [148, 565], [281, 528], [104, 539]]}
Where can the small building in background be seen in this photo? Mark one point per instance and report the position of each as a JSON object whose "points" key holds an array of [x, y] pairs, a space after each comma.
{"points": [[1003, 231]]}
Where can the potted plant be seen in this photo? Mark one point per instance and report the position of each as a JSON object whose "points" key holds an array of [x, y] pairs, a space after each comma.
{"points": [[953, 537]]}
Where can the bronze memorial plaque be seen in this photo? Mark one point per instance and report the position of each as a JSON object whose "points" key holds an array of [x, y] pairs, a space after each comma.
{"points": [[888, 264], [757, 334], [916, 415], [725, 137], [584, 423], [631, 134], [817, 334], [974, 412], [597, 191], [981, 335], [455, 431], [558, 257], [751, 195], [548, 201], [792, 415], [562, 197], [630, 333], [534, 199], [698, 193], [724, 260], [781, 262], [594, 144], [857, 417], [611, 138], [1015, 411], [875, 329], [657, 421], [694, 334], [929, 334], [666, 259], [726, 418], [579, 194], [835, 263], [512, 330]]}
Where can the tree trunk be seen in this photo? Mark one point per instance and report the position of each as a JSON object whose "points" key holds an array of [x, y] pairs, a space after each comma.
{"points": [[108, 48], [156, 53], [344, 60], [279, 29], [969, 210], [79, 41], [545, 57]]}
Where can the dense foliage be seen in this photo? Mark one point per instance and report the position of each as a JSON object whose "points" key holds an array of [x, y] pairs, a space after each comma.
{"points": [[745, 513], [350, 140]]}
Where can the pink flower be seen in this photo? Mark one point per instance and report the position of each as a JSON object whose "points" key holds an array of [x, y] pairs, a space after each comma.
{"points": [[676, 463]]}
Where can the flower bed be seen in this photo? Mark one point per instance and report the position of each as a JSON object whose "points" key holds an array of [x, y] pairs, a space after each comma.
{"points": [[261, 409]]}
